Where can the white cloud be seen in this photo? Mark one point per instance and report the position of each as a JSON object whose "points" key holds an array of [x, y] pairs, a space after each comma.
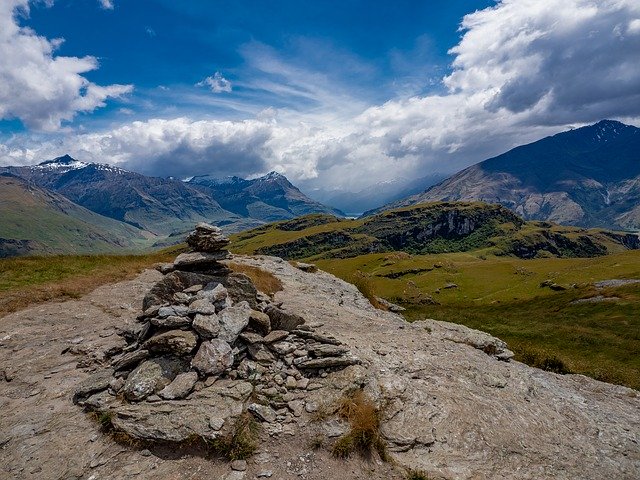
{"points": [[106, 4], [217, 83], [522, 69], [36, 86]]}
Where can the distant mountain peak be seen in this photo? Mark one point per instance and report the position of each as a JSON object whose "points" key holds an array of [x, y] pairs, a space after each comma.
{"points": [[273, 175], [67, 163]]}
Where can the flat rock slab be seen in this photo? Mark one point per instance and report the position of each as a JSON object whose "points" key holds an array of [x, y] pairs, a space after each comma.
{"points": [[180, 387], [178, 420], [178, 342]]}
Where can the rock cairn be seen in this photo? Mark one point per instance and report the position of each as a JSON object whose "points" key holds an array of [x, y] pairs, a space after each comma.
{"points": [[207, 347]]}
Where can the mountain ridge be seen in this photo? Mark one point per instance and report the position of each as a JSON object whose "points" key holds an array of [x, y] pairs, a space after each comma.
{"points": [[589, 177]]}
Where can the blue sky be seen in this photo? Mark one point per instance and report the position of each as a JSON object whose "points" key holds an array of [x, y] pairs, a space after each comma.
{"points": [[336, 95], [375, 50]]}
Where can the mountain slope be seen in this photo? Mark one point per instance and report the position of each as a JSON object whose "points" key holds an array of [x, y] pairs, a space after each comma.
{"points": [[428, 229], [158, 205], [34, 220], [268, 198], [588, 177]]}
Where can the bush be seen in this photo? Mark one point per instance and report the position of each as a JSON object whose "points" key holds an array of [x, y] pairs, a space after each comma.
{"points": [[364, 283]]}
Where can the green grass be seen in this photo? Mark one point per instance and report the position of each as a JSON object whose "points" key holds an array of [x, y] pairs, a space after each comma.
{"points": [[502, 296], [29, 280]]}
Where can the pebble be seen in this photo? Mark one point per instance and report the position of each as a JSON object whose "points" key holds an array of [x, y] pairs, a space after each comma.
{"points": [[239, 465]]}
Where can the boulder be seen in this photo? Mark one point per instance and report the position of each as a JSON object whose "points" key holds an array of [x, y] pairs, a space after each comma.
{"points": [[282, 320], [207, 326], [232, 321], [324, 350], [178, 342], [180, 387], [263, 412], [151, 376], [213, 357]]}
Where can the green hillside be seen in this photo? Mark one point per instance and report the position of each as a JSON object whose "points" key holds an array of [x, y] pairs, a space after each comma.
{"points": [[532, 284], [439, 227], [37, 221]]}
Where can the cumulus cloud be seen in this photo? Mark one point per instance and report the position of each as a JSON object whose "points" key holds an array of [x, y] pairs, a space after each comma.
{"points": [[522, 69], [106, 4], [36, 86], [217, 83]]}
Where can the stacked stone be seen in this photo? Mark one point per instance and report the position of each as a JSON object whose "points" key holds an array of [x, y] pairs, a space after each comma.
{"points": [[203, 324]]}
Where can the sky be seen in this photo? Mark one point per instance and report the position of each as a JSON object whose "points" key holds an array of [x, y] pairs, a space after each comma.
{"points": [[337, 95]]}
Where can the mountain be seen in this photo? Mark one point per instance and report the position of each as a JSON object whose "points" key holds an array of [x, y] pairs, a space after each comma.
{"points": [[37, 221], [430, 228], [374, 196], [158, 205], [588, 177], [268, 198]]}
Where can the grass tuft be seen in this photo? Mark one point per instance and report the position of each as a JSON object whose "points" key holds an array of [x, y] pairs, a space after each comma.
{"points": [[417, 475], [241, 442], [364, 434]]}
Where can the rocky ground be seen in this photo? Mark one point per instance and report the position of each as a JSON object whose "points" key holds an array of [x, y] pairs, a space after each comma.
{"points": [[453, 406]]}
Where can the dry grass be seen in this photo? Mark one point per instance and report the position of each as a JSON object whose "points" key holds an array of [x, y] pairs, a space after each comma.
{"points": [[364, 434], [263, 280], [364, 283], [27, 281], [241, 442]]}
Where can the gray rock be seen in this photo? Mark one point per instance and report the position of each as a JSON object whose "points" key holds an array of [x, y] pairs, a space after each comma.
{"points": [[173, 310], [130, 359], [116, 384], [179, 342], [171, 321], [260, 354], [95, 383], [181, 298], [232, 321], [260, 322], [276, 336], [263, 412], [214, 292], [202, 306], [180, 387], [282, 348], [296, 407], [216, 423], [193, 289], [213, 357], [283, 320], [251, 338], [207, 238], [151, 376], [316, 336], [324, 350], [207, 326], [199, 259], [239, 465], [264, 474], [328, 362], [306, 267]]}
